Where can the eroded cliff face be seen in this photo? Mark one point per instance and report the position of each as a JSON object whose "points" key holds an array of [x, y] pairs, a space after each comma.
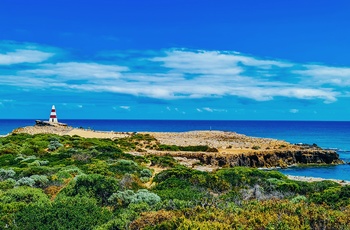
{"points": [[239, 150], [272, 158], [263, 159]]}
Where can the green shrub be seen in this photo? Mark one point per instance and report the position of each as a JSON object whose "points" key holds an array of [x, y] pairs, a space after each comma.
{"points": [[34, 163], [9, 148], [288, 187], [144, 179], [334, 196], [28, 159], [146, 173], [298, 199], [25, 181], [178, 189], [67, 172], [8, 160], [145, 196], [37, 170], [180, 172], [14, 200], [162, 161], [98, 167], [7, 184], [124, 198], [64, 213], [38, 163], [54, 144], [24, 194], [125, 166], [6, 173], [40, 180], [93, 185]]}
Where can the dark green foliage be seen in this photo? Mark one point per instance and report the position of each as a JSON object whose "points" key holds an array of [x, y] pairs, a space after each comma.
{"points": [[288, 186], [8, 160], [79, 175], [16, 199], [7, 184], [64, 213], [162, 161], [24, 194], [146, 173], [94, 186], [243, 176], [181, 183], [188, 193], [334, 196], [37, 170], [320, 186], [125, 166], [180, 172], [60, 158]]}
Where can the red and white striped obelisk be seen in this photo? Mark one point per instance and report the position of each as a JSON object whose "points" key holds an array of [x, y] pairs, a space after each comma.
{"points": [[53, 116]]}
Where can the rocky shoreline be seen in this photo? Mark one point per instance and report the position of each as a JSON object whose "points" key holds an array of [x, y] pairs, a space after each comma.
{"points": [[315, 179], [231, 149], [241, 150]]}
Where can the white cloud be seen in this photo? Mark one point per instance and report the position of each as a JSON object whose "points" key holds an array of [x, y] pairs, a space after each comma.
{"points": [[268, 93], [208, 109], [211, 110], [78, 70], [199, 110], [24, 56], [189, 74], [199, 62], [294, 111], [320, 74], [213, 62], [125, 107]]}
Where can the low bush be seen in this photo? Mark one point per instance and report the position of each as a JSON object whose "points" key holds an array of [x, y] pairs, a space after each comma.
{"points": [[162, 161], [25, 181], [94, 186], [7, 184], [6, 173], [124, 198], [64, 213]]}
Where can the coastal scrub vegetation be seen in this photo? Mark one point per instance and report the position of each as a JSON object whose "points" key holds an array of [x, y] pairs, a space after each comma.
{"points": [[63, 182]]}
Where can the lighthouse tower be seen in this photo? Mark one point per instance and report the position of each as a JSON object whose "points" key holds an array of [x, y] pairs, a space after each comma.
{"points": [[53, 116]]}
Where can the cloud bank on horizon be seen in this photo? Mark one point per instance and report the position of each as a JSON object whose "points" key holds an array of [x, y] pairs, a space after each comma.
{"points": [[168, 76]]}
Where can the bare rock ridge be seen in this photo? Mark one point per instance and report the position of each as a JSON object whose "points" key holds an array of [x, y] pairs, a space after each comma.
{"points": [[224, 148], [280, 158], [240, 150]]}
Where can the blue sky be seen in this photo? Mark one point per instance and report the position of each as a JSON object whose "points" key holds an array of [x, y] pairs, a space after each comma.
{"points": [[133, 59]]}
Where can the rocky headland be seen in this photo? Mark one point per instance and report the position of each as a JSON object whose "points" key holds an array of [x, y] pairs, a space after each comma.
{"points": [[225, 149], [240, 150]]}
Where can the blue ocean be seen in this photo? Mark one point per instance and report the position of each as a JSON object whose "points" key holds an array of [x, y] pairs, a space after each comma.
{"points": [[326, 134]]}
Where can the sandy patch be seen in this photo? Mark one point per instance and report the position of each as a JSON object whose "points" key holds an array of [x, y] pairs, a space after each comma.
{"points": [[95, 134], [314, 179], [59, 130]]}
